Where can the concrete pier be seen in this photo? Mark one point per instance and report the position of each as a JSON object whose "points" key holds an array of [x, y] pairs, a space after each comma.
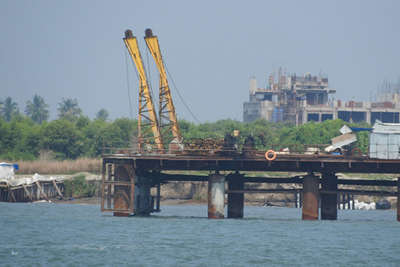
{"points": [[235, 201], [310, 197], [329, 201], [216, 196]]}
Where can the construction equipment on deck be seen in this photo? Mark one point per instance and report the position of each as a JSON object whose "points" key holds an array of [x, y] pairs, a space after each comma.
{"points": [[146, 107], [166, 111]]}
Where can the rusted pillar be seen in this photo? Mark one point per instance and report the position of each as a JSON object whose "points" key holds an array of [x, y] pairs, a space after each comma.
{"points": [[216, 196], [235, 200], [398, 199], [123, 202], [329, 201], [143, 198], [110, 189], [158, 203], [310, 197]]}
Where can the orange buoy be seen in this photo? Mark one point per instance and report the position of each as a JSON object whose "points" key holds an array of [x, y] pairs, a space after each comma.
{"points": [[268, 153]]}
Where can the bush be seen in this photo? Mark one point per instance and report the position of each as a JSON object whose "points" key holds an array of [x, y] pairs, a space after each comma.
{"points": [[78, 187]]}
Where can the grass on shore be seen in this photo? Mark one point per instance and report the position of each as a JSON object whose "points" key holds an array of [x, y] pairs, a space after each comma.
{"points": [[60, 167]]}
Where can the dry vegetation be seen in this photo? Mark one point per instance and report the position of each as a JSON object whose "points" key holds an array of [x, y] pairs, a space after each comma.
{"points": [[60, 167]]}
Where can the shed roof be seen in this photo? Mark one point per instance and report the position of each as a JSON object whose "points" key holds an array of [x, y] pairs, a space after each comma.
{"points": [[386, 128]]}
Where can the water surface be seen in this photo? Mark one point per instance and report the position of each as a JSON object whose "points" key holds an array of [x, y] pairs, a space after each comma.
{"points": [[69, 234]]}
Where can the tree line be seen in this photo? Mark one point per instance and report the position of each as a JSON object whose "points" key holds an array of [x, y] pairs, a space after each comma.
{"points": [[31, 136], [38, 111]]}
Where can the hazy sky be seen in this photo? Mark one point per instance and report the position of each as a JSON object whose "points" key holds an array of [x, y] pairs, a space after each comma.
{"points": [[75, 49]]}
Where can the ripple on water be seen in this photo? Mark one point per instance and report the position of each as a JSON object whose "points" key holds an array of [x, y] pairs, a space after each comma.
{"points": [[49, 234]]}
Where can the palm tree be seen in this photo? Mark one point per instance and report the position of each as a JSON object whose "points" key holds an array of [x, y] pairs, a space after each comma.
{"points": [[69, 109], [9, 109], [102, 114], [37, 109]]}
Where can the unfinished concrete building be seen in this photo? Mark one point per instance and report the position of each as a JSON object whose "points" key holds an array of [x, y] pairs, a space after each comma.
{"points": [[300, 99]]}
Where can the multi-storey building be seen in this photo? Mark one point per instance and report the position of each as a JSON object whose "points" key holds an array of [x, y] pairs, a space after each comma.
{"points": [[300, 99]]}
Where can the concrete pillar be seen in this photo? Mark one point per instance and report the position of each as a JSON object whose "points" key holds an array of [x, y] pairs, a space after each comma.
{"points": [[235, 201], [216, 196], [329, 201], [304, 120], [398, 199], [310, 197], [368, 116]]}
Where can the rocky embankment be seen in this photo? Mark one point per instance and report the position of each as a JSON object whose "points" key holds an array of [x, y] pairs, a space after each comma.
{"points": [[198, 191]]}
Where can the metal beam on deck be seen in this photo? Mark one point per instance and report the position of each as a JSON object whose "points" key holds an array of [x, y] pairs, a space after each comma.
{"points": [[287, 163]]}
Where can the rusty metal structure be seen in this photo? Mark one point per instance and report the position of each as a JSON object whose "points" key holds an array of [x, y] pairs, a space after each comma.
{"points": [[128, 179]]}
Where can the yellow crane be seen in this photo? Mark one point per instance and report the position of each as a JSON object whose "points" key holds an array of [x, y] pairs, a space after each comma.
{"points": [[166, 106], [147, 113]]}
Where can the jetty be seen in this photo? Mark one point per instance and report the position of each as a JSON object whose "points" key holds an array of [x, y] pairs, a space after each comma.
{"points": [[31, 190], [127, 180]]}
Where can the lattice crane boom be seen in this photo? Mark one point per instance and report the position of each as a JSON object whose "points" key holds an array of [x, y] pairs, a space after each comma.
{"points": [[166, 105], [146, 106]]}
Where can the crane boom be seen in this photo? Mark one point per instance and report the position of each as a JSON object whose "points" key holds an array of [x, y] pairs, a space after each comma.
{"points": [[146, 106], [166, 103]]}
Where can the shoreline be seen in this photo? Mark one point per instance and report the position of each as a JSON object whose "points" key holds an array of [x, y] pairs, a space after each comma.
{"points": [[165, 202]]}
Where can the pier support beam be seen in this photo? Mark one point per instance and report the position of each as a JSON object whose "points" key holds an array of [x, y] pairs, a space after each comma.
{"points": [[398, 199], [235, 201], [143, 199], [216, 196], [310, 197], [329, 201], [122, 194]]}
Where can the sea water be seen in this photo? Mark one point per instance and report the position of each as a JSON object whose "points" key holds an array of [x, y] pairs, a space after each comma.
{"points": [[46, 234]]}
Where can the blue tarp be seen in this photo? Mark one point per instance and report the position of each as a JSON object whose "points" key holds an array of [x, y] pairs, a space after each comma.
{"points": [[15, 166], [355, 129]]}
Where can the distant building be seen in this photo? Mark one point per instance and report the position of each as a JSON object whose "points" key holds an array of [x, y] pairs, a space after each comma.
{"points": [[300, 99]]}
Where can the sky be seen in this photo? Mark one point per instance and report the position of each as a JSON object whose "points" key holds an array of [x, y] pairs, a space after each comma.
{"points": [[74, 49]]}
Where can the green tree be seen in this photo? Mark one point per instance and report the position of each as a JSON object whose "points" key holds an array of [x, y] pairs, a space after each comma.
{"points": [[69, 109], [62, 137], [102, 114], [115, 135], [37, 109], [82, 122], [91, 134], [19, 139], [9, 109]]}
